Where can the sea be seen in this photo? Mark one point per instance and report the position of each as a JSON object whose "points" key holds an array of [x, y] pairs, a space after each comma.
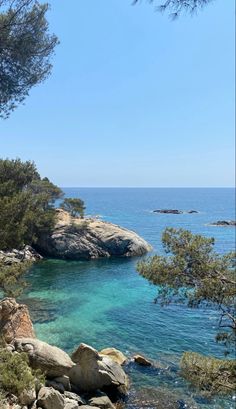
{"points": [[106, 303]]}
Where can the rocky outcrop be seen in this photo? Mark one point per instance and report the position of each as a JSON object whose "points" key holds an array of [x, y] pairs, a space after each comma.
{"points": [[49, 359], [224, 223], [75, 239], [15, 320], [114, 354], [94, 371], [16, 256], [174, 211]]}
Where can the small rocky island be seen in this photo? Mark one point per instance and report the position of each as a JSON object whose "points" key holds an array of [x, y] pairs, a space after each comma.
{"points": [[75, 238], [174, 211], [224, 223]]}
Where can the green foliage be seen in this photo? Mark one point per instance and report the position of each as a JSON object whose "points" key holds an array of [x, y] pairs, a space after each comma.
{"points": [[26, 203], [26, 48], [192, 270], [74, 206], [12, 281], [176, 7], [15, 373], [208, 374]]}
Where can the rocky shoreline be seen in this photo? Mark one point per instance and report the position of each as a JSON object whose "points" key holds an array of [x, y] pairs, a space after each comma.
{"points": [[86, 379]]}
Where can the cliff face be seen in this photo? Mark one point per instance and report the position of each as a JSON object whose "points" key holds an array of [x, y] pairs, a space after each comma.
{"points": [[75, 239]]}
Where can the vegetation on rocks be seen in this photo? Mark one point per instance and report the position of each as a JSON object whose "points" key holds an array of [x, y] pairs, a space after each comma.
{"points": [[192, 272], [12, 282], [75, 207], [15, 374]]}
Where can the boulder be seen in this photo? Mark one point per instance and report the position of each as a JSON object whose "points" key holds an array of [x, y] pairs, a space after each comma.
{"points": [[51, 383], [15, 320], [65, 381], [49, 359], [49, 398], [88, 407], [71, 404], [94, 371], [27, 397], [75, 238], [141, 360], [102, 402], [114, 354], [75, 397]]}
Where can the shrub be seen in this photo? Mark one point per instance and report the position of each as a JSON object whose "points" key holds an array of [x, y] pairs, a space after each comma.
{"points": [[15, 373], [208, 374]]}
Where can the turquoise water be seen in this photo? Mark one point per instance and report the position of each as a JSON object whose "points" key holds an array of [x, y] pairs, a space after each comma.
{"points": [[106, 303]]}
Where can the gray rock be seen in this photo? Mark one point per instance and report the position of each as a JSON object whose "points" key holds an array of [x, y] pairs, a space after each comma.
{"points": [[49, 359], [71, 404], [89, 407], [93, 371], [56, 385], [102, 402], [65, 381], [27, 397], [75, 238], [16, 256], [74, 396], [49, 398]]}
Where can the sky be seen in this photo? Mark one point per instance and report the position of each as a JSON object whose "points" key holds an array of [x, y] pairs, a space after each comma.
{"points": [[134, 99]]}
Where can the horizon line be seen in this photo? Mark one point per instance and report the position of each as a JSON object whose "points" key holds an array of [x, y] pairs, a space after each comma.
{"points": [[148, 187]]}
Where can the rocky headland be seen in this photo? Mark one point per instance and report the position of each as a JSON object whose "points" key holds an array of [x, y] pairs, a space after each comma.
{"points": [[76, 238]]}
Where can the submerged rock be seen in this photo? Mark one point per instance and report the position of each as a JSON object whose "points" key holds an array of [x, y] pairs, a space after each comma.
{"points": [[75, 238], [94, 371], [141, 360], [224, 223], [15, 320], [49, 359]]}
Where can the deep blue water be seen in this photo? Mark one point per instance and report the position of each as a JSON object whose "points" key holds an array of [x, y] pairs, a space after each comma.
{"points": [[106, 303]]}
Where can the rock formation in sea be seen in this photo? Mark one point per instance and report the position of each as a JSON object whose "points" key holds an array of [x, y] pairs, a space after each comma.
{"points": [[75, 238], [174, 211], [224, 223]]}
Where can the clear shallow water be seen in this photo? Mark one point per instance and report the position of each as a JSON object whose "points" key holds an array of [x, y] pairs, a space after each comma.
{"points": [[106, 303]]}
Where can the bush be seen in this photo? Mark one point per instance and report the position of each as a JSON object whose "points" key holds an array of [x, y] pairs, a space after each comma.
{"points": [[15, 373], [210, 375]]}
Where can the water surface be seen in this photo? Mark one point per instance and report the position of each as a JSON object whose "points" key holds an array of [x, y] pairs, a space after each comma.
{"points": [[106, 303]]}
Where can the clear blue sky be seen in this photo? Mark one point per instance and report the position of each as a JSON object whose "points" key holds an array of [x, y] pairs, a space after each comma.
{"points": [[133, 100]]}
